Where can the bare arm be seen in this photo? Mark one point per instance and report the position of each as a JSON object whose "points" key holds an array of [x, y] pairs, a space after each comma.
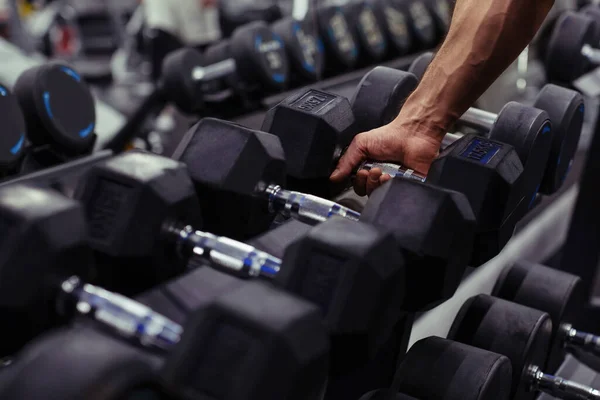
{"points": [[484, 38]]}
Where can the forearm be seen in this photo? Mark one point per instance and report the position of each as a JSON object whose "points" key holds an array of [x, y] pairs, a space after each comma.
{"points": [[485, 37]]}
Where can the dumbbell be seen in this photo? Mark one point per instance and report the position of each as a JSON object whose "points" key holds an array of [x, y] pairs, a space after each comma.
{"points": [[259, 55], [565, 109], [218, 333], [572, 47], [441, 369], [441, 10], [306, 54], [498, 199], [136, 205], [421, 23], [12, 146], [370, 37], [555, 292], [392, 18], [522, 334], [59, 111], [341, 47]]}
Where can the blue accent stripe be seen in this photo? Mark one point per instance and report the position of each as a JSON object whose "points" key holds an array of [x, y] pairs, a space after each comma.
{"points": [[279, 78], [71, 73], [19, 145], [257, 41], [310, 68], [320, 45], [87, 130], [581, 108], [3, 91], [47, 104], [546, 129], [537, 189]]}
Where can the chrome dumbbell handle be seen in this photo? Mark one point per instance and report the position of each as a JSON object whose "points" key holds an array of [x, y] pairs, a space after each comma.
{"points": [[560, 387]]}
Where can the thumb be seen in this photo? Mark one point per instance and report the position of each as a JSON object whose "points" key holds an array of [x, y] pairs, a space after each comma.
{"points": [[354, 155]]}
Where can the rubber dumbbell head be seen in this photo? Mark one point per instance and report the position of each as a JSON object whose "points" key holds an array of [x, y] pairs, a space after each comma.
{"points": [[421, 23], [435, 229], [58, 107], [144, 191], [565, 60], [341, 47], [304, 47], [13, 141], [55, 226], [523, 335], [259, 55], [370, 36], [311, 125], [395, 23], [558, 293]]}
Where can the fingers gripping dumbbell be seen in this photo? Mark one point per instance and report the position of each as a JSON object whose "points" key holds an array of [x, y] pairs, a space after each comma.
{"points": [[565, 109], [499, 199], [559, 294], [525, 340]]}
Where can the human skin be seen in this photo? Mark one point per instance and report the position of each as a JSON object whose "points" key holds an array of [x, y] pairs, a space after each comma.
{"points": [[484, 38]]}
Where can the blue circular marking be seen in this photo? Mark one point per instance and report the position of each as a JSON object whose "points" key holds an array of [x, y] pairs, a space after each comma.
{"points": [[46, 97], [546, 129], [279, 78], [19, 145], [581, 108], [307, 66], [537, 189], [87, 130], [71, 73], [3, 91]]}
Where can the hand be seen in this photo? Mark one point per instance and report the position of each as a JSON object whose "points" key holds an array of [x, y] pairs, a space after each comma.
{"points": [[406, 143]]}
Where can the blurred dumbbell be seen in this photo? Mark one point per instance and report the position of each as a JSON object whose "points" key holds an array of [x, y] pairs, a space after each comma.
{"points": [[304, 47], [441, 369], [557, 293], [260, 57], [14, 139], [572, 47], [371, 38], [126, 348], [497, 199], [341, 47], [522, 334], [164, 244], [564, 107], [59, 112]]}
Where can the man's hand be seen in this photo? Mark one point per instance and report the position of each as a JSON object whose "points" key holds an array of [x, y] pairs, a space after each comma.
{"points": [[398, 142]]}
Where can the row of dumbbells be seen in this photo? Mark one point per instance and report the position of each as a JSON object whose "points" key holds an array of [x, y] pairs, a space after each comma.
{"points": [[333, 38], [407, 252]]}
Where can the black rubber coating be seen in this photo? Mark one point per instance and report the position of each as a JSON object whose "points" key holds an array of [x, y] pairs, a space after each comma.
{"points": [[592, 11], [58, 107], [13, 138], [461, 372], [385, 394], [341, 47], [566, 109], [558, 293], [520, 333], [529, 131], [395, 23], [370, 36], [420, 64], [379, 97], [178, 80], [564, 61], [304, 47]]}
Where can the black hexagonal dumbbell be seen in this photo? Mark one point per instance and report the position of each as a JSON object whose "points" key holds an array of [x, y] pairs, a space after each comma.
{"points": [[314, 126], [523, 335], [356, 257], [565, 109], [441, 369], [128, 347], [42, 288]]}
